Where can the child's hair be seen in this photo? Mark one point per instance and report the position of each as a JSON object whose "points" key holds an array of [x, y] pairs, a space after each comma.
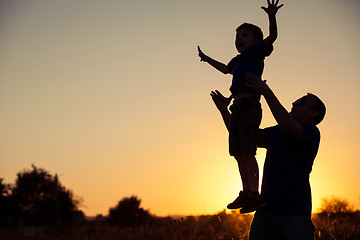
{"points": [[320, 107], [253, 28]]}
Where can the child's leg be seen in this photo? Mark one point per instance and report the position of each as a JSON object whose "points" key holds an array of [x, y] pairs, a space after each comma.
{"points": [[254, 199], [244, 173], [242, 199], [252, 169]]}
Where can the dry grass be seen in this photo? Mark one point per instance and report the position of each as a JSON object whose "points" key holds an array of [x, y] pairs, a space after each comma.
{"points": [[221, 226], [342, 226]]}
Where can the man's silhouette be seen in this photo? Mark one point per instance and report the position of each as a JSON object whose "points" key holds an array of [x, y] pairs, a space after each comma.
{"points": [[291, 146]]}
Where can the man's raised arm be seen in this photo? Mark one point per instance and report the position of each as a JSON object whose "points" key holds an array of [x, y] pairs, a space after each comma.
{"points": [[281, 115]]}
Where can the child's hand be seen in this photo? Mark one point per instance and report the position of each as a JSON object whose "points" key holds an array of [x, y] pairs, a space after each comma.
{"points": [[202, 56], [256, 83], [220, 101], [272, 7]]}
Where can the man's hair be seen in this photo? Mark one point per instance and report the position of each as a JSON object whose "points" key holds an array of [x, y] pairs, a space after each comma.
{"points": [[253, 28], [319, 106]]}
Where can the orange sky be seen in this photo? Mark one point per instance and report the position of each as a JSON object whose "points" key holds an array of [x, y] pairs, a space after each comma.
{"points": [[111, 96]]}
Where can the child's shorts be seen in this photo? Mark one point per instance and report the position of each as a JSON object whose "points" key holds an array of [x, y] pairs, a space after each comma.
{"points": [[246, 116]]}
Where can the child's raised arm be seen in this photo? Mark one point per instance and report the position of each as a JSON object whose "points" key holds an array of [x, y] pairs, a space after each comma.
{"points": [[216, 64], [271, 11]]}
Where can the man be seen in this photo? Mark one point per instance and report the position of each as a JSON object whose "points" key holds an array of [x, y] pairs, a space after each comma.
{"points": [[291, 146]]}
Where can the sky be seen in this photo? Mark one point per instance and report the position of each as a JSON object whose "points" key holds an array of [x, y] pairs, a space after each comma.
{"points": [[111, 96]]}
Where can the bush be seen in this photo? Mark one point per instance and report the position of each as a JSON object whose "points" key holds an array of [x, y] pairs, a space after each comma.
{"points": [[129, 213]]}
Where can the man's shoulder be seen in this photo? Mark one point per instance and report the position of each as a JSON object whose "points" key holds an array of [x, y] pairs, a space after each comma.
{"points": [[310, 128], [265, 132], [312, 132], [270, 128]]}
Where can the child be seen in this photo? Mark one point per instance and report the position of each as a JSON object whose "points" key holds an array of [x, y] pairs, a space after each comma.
{"points": [[246, 110]]}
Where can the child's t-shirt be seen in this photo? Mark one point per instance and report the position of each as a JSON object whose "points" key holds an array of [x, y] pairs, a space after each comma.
{"points": [[251, 60]]}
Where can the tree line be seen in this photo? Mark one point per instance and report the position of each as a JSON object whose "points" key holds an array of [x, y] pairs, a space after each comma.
{"points": [[37, 198]]}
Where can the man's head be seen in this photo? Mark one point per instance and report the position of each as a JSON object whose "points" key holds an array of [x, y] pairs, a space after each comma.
{"points": [[308, 109], [246, 35]]}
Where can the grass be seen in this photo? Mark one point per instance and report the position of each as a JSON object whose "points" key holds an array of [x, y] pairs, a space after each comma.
{"points": [[221, 226]]}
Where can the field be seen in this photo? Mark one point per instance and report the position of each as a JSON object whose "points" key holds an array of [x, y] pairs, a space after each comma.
{"points": [[221, 226]]}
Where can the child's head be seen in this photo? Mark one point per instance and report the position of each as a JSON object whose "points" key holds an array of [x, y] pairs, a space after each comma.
{"points": [[246, 35]]}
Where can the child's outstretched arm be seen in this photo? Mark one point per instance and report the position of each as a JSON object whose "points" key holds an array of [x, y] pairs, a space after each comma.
{"points": [[216, 64], [271, 11]]}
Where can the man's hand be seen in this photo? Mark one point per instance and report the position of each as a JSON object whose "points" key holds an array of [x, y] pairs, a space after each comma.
{"points": [[203, 57], [222, 104], [272, 7], [220, 101], [282, 117], [256, 83]]}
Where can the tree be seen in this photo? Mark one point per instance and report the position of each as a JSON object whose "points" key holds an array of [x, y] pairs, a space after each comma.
{"points": [[129, 213], [335, 205], [42, 199], [4, 188], [9, 211]]}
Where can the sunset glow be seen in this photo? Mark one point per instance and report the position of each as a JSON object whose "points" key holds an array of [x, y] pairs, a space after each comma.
{"points": [[111, 96]]}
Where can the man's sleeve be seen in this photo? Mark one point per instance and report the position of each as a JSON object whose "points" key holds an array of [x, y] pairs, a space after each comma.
{"points": [[312, 136]]}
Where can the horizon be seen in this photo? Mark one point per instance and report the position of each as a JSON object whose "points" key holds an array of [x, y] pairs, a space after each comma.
{"points": [[81, 206]]}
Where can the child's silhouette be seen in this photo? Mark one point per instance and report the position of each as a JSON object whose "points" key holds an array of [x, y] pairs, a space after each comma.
{"points": [[246, 110]]}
